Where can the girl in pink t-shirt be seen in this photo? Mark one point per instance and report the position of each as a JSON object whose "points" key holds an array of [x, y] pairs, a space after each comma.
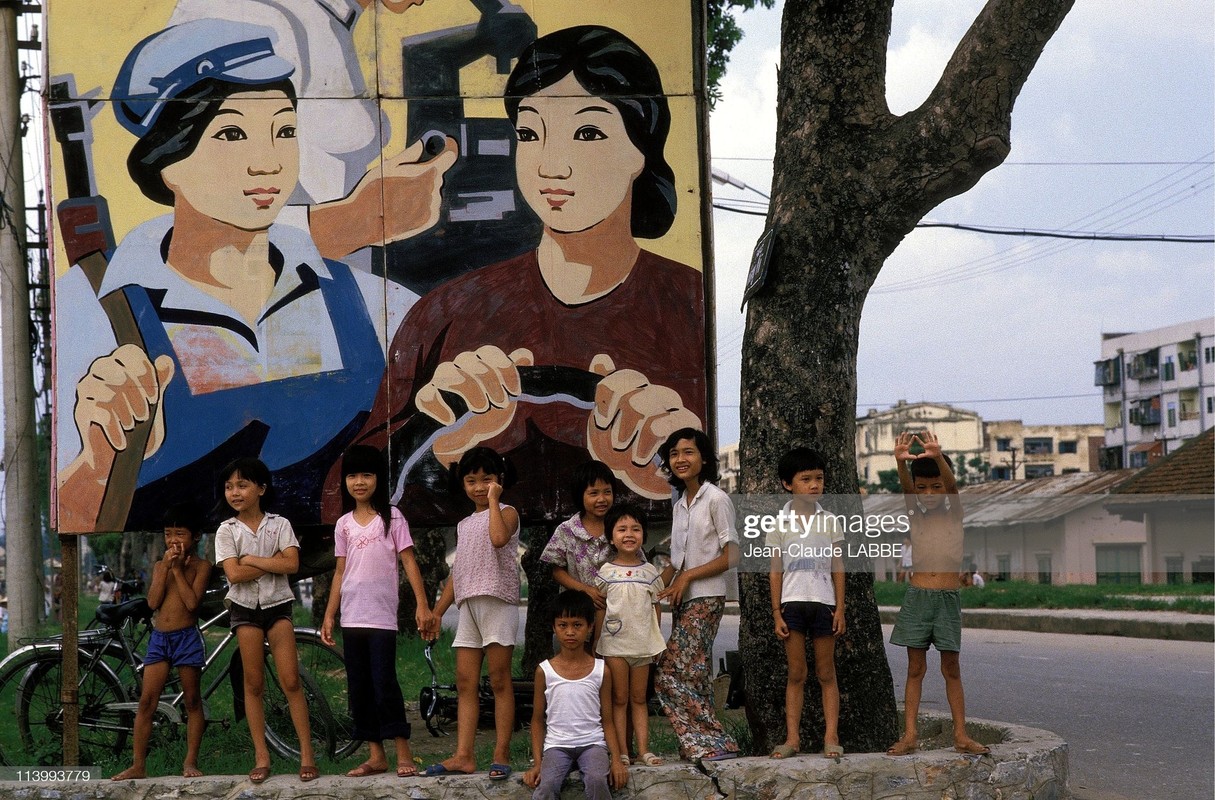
{"points": [[368, 540], [484, 585]]}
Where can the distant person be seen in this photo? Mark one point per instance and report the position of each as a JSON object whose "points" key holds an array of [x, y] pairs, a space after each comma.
{"points": [[932, 609], [977, 580], [178, 583], [107, 588], [807, 596], [572, 725], [905, 562]]}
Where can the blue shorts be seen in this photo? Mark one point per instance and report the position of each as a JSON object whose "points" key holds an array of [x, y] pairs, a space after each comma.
{"points": [[183, 648], [812, 620]]}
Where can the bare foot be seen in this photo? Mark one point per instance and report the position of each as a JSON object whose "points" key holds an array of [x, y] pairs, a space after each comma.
{"points": [[971, 747], [903, 747], [454, 764], [190, 771], [130, 773]]}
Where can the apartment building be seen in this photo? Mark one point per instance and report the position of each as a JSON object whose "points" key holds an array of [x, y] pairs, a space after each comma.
{"points": [[959, 431], [1158, 391], [1014, 450]]}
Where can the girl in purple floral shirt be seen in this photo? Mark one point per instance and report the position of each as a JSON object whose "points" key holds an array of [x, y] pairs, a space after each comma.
{"points": [[578, 547]]}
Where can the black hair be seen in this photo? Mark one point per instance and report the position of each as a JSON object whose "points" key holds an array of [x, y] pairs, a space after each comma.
{"points": [[708, 456], [798, 459], [251, 469], [484, 459], [586, 475], [185, 515], [179, 128], [927, 467], [365, 458], [610, 66], [576, 604], [617, 513]]}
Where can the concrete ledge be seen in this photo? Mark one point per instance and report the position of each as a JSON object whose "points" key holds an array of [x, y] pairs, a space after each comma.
{"points": [[1173, 625], [1025, 764]]}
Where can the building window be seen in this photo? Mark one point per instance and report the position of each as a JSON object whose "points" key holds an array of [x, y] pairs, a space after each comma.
{"points": [[1167, 372], [1003, 445], [1208, 355], [1068, 447], [1211, 405], [1174, 570], [1119, 563], [1144, 366], [1107, 373], [1110, 458], [1039, 445], [1044, 569], [1172, 415], [1203, 570], [1146, 412], [1138, 459], [1039, 470], [1003, 567], [1000, 474]]}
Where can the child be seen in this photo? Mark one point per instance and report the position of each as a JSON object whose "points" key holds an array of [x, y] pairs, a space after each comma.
{"points": [[368, 540], [484, 585], [178, 583], [628, 632], [932, 611], [704, 544], [258, 551], [807, 581], [578, 548], [572, 723]]}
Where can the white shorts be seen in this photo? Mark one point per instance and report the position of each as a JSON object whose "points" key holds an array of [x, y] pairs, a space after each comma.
{"points": [[486, 620]]}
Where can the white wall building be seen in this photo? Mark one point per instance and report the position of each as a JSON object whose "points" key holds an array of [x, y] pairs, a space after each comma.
{"points": [[1159, 390]]}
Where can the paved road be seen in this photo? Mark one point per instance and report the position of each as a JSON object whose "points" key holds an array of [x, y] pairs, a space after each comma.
{"points": [[1137, 713]]}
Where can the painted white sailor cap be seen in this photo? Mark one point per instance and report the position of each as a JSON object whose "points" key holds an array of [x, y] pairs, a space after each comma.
{"points": [[171, 61]]}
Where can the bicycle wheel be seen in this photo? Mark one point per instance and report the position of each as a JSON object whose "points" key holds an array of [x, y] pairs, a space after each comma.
{"points": [[103, 729], [12, 670], [327, 666], [280, 730]]}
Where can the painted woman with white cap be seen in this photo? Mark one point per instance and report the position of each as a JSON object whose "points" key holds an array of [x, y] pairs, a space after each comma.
{"points": [[254, 345]]}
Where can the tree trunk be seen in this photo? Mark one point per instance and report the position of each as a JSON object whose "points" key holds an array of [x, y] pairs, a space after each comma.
{"points": [[430, 551], [850, 181], [542, 592]]}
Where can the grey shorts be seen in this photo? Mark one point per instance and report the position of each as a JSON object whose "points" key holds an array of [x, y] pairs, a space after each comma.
{"points": [[929, 616]]}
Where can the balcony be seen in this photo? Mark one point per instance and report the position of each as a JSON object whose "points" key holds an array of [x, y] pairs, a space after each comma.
{"points": [[1145, 416]]}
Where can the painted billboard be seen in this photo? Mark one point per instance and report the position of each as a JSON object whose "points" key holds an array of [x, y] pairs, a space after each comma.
{"points": [[287, 226]]}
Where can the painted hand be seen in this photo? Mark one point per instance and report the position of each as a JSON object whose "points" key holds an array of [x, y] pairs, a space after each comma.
{"points": [[487, 380], [632, 418], [119, 391]]}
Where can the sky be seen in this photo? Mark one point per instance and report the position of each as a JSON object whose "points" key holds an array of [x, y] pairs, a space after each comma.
{"points": [[1017, 318]]}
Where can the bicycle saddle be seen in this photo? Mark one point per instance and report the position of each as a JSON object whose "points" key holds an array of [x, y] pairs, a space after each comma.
{"points": [[115, 614]]}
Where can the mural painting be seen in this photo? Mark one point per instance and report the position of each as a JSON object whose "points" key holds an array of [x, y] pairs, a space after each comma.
{"points": [[287, 227]]}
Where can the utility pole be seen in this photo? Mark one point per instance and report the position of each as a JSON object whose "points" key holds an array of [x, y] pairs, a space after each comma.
{"points": [[22, 525], [1012, 472]]}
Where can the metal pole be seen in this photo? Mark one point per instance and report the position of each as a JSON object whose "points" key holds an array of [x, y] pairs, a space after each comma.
{"points": [[22, 524], [68, 608]]}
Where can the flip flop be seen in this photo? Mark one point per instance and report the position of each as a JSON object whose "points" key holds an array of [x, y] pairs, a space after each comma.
{"points": [[308, 773], [435, 770], [651, 760], [901, 748], [783, 751], [973, 748], [407, 771], [364, 770], [833, 751], [499, 772], [720, 755], [259, 774]]}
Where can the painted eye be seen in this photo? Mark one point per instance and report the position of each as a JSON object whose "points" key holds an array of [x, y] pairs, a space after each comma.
{"points": [[230, 133], [286, 132], [589, 133], [526, 135]]}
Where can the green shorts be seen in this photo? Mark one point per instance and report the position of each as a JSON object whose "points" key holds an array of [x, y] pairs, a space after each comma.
{"points": [[929, 616]]}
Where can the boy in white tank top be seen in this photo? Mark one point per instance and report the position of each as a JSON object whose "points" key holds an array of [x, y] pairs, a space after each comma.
{"points": [[572, 721]]}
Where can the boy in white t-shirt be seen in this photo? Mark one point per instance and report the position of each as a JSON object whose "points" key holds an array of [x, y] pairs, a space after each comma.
{"points": [[572, 712], [807, 580]]}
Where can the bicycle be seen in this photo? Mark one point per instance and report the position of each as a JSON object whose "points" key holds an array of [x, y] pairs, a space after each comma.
{"points": [[110, 683]]}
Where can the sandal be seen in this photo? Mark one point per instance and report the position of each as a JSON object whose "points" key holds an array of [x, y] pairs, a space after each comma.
{"points": [[308, 773], [259, 774], [651, 760], [783, 751], [833, 751], [365, 770], [407, 771]]}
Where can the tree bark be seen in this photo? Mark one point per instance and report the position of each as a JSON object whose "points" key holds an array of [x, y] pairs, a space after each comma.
{"points": [[850, 181]]}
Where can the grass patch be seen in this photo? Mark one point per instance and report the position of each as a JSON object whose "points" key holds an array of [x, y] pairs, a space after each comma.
{"points": [[1191, 598]]}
